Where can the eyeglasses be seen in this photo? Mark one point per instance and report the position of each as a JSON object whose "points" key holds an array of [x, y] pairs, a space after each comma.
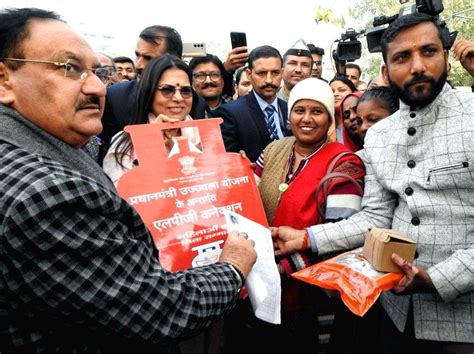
{"points": [[111, 70], [71, 69], [201, 76], [169, 91]]}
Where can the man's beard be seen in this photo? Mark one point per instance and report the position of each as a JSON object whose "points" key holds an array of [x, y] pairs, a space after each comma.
{"points": [[419, 99]]}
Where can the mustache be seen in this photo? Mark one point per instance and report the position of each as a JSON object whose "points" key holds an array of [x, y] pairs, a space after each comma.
{"points": [[268, 85], [85, 102], [418, 78], [207, 85]]}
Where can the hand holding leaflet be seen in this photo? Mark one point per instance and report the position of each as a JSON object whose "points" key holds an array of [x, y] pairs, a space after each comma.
{"points": [[263, 282]]}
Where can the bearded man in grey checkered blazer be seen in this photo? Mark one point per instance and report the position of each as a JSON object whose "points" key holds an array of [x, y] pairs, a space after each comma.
{"points": [[419, 181], [79, 270]]}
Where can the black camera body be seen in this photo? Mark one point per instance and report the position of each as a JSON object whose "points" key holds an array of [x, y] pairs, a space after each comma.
{"points": [[349, 48], [429, 7]]}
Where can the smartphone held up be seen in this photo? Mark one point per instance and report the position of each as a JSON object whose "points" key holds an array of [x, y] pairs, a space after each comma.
{"points": [[238, 39], [191, 50]]}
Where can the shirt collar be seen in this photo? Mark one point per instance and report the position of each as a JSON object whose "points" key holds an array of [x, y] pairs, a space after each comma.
{"points": [[263, 104]]}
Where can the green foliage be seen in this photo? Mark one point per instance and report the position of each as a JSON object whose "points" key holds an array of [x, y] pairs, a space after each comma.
{"points": [[454, 14], [374, 65], [326, 15], [463, 22], [458, 75], [366, 10]]}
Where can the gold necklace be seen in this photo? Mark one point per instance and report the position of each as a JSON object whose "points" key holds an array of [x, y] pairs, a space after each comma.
{"points": [[312, 152], [300, 154]]}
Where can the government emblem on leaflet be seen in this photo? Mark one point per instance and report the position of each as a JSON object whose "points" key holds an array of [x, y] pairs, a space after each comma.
{"points": [[187, 164]]}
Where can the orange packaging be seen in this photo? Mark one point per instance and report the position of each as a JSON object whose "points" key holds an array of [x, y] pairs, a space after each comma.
{"points": [[358, 283], [181, 194]]}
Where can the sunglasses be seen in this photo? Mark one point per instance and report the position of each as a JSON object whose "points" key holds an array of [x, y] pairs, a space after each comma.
{"points": [[169, 91]]}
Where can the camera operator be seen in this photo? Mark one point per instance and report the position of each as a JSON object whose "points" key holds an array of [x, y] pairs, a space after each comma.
{"points": [[353, 73]]}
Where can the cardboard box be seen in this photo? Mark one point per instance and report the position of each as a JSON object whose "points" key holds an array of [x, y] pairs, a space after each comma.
{"points": [[381, 243]]}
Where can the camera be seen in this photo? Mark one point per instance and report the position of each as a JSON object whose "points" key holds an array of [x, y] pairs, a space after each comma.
{"points": [[191, 50], [348, 49], [429, 7]]}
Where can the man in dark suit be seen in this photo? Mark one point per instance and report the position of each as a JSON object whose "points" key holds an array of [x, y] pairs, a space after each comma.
{"points": [[254, 121], [153, 41]]}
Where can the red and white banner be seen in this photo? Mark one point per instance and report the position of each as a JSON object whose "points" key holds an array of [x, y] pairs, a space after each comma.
{"points": [[181, 194]]}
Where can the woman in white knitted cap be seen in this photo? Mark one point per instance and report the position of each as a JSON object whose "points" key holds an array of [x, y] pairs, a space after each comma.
{"points": [[291, 170]]}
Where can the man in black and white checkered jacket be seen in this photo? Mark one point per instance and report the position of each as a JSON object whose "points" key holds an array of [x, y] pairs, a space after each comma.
{"points": [[79, 270]]}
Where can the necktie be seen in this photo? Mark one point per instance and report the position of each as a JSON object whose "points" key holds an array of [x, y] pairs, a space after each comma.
{"points": [[270, 114]]}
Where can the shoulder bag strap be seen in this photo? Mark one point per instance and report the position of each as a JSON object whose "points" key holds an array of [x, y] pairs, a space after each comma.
{"points": [[323, 185]]}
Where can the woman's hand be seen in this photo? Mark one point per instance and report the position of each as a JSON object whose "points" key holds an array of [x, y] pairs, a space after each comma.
{"points": [[163, 118], [168, 133], [287, 240], [244, 156]]}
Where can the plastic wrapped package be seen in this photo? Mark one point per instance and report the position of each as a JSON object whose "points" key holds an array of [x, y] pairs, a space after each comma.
{"points": [[358, 283]]}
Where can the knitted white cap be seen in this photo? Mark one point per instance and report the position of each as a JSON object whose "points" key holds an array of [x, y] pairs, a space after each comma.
{"points": [[312, 89]]}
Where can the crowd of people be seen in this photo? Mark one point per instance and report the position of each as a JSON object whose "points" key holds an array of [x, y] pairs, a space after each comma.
{"points": [[332, 158]]}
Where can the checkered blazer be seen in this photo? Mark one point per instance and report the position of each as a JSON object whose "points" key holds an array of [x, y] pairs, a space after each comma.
{"points": [[420, 170], [79, 271]]}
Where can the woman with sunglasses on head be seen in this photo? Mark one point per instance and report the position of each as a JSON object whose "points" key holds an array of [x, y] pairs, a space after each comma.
{"points": [[164, 95]]}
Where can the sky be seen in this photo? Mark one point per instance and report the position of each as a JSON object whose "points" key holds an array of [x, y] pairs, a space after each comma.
{"points": [[112, 27]]}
